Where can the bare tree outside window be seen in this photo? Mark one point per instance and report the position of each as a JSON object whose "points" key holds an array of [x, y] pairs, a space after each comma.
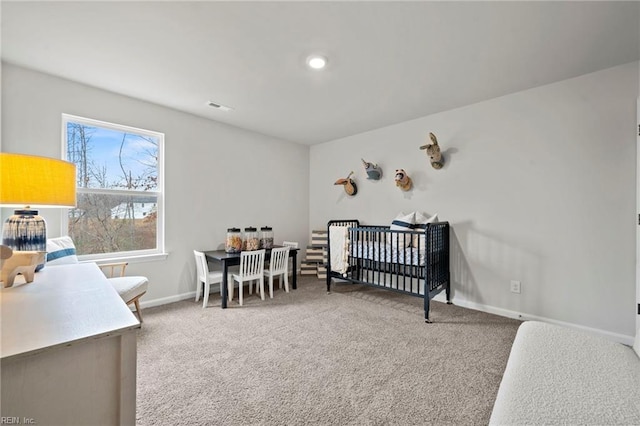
{"points": [[118, 187]]}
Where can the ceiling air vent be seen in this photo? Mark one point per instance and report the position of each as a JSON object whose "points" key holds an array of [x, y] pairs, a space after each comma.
{"points": [[219, 106]]}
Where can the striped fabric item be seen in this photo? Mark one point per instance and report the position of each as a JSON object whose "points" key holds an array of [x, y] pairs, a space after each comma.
{"points": [[61, 251], [421, 225], [319, 238], [402, 222]]}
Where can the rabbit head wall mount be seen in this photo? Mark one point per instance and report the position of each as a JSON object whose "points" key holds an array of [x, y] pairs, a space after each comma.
{"points": [[433, 152]]}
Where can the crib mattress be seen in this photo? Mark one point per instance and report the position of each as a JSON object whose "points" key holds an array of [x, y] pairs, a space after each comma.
{"points": [[382, 252]]}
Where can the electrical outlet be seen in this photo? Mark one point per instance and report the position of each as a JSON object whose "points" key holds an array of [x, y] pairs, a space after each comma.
{"points": [[515, 286]]}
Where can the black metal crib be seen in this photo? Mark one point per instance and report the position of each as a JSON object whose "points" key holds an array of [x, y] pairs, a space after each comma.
{"points": [[411, 262]]}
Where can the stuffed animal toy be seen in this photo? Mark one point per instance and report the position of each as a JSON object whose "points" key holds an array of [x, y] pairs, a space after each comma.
{"points": [[373, 171], [349, 185], [433, 151], [403, 181]]}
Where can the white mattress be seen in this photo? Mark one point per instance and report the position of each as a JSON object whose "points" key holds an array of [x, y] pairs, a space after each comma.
{"points": [[560, 376]]}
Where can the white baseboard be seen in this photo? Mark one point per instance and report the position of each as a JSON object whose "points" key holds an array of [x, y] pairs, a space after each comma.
{"points": [[165, 300], [616, 337]]}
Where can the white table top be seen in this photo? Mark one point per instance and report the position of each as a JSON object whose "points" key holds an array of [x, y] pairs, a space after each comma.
{"points": [[64, 304]]}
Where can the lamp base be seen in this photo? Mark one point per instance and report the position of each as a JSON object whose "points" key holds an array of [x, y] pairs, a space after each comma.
{"points": [[25, 230]]}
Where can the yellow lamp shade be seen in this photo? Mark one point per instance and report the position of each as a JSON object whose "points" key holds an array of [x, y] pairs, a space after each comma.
{"points": [[27, 180]]}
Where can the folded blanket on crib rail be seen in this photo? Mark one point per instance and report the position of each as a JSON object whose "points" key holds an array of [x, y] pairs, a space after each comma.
{"points": [[338, 244]]}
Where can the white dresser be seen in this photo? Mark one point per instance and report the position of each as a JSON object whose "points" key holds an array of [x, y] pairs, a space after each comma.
{"points": [[68, 352]]}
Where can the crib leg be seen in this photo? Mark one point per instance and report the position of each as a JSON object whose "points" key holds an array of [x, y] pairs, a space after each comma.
{"points": [[426, 309], [448, 293], [328, 283]]}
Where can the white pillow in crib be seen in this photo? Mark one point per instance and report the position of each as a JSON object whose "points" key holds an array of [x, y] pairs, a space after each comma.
{"points": [[420, 225], [402, 222]]}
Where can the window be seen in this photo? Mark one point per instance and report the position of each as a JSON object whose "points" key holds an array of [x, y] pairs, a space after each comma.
{"points": [[119, 210]]}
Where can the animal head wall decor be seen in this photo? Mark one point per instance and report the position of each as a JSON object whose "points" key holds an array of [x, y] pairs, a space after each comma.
{"points": [[403, 181], [373, 171], [433, 151], [349, 185]]}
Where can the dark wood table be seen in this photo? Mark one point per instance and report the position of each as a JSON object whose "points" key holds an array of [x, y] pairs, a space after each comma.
{"points": [[230, 259]]}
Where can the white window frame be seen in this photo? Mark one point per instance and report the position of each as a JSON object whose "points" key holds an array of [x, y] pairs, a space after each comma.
{"points": [[134, 255]]}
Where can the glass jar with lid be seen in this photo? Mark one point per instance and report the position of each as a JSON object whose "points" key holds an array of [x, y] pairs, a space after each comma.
{"points": [[251, 241], [233, 243], [266, 237]]}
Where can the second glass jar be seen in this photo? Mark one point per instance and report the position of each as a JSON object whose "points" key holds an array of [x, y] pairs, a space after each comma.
{"points": [[251, 241]]}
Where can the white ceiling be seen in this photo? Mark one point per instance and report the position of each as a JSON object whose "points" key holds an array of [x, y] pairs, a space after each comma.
{"points": [[388, 61]]}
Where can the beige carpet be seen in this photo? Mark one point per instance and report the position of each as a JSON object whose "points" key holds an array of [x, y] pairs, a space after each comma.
{"points": [[357, 356]]}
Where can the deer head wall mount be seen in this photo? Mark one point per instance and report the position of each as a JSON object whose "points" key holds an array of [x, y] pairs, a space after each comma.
{"points": [[433, 151]]}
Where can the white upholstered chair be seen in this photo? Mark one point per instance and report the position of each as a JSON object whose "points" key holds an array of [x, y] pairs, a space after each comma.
{"points": [[130, 288], [205, 277], [61, 251], [251, 268], [278, 267]]}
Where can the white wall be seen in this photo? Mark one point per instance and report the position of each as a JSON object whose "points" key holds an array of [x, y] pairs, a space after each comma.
{"points": [[539, 186], [216, 176]]}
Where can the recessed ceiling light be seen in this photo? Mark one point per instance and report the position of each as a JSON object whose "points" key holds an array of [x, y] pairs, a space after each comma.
{"points": [[317, 62], [219, 106]]}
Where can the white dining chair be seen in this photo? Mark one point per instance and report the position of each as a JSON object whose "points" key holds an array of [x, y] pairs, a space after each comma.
{"points": [[278, 267], [292, 268], [251, 268], [205, 277]]}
